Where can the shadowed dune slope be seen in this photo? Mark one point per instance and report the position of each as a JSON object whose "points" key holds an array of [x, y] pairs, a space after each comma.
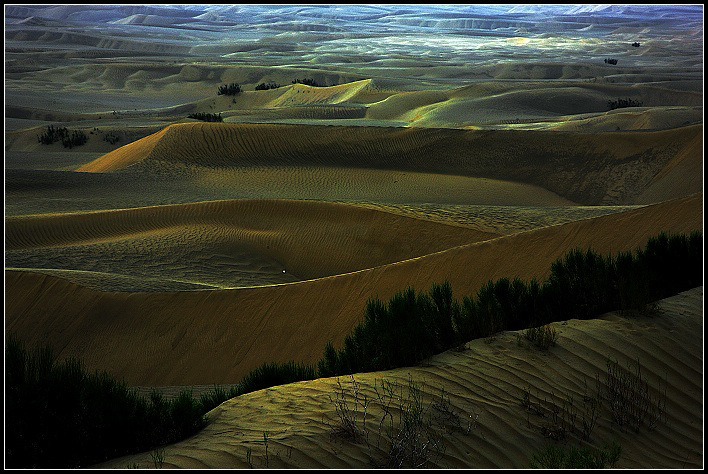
{"points": [[310, 239], [204, 337], [610, 168], [486, 379]]}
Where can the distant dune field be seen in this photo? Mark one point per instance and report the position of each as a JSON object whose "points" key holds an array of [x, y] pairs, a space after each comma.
{"points": [[181, 338], [301, 417]]}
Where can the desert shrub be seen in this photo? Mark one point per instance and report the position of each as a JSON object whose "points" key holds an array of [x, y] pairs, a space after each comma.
{"points": [[77, 138], [408, 431], [206, 117], [265, 86], [68, 139], [577, 457], [60, 416], [112, 137], [544, 337], [308, 82], [630, 399], [229, 89], [403, 332], [52, 135], [621, 103]]}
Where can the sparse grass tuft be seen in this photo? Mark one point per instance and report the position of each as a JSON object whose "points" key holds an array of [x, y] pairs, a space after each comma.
{"points": [[543, 337], [409, 432], [572, 457]]}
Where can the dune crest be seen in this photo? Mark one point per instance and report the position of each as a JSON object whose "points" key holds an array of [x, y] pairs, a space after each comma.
{"points": [[614, 168]]}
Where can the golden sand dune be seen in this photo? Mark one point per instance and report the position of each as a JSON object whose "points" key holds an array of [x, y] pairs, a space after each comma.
{"points": [[485, 384], [308, 239], [182, 338], [611, 168]]}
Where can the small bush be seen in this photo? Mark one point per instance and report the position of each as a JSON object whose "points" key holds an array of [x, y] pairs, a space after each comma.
{"points": [[77, 138], [229, 89], [112, 137], [409, 432], [544, 337]]}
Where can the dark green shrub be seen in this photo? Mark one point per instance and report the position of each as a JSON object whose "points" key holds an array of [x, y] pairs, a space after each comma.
{"points": [[53, 135], [229, 89], [582, 284], [77, 138], [59, 416], [621, 103], [308, 82], [265, 86], [205, 117]]}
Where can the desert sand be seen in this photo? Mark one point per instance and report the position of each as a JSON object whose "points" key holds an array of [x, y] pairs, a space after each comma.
{"points": [[465, 144]]}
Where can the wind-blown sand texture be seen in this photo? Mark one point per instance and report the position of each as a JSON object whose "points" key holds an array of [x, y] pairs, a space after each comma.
{"points": [[486, 382], [229, 243], [585, 168]]}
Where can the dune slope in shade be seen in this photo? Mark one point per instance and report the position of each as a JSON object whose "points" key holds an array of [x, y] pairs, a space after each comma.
{"points": [[228, 243], [488, 380], [611, 168], [181, 338]]}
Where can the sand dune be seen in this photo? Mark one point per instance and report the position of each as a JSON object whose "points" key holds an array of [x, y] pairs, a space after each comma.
{"points": [[218, 336], [299, 417], [612, 168], [244, 242]]}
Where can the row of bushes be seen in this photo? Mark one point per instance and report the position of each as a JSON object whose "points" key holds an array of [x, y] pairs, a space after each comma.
{"points": [[310, 82], [265, 86], [412, 327], [229, 89], [68, 139], [620, 103], [206, 117], [234, 88]]}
